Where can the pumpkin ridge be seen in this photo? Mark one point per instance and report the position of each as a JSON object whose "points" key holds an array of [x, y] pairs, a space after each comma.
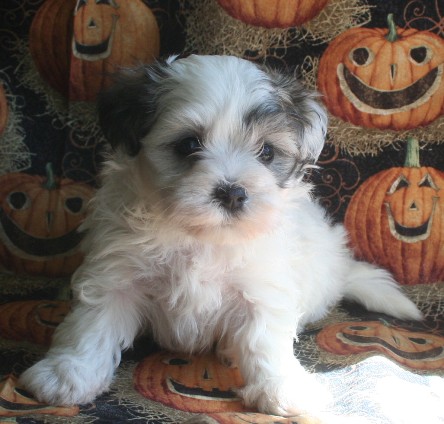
{"points": [[388, 254], [426, 265], [64, 14], [367, 251], [437, 258], [397, 253], [350, 220], [46, 46], [376, 238]]}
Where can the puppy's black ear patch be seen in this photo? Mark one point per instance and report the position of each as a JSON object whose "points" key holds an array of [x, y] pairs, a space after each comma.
{"points": [[127, 109], [305, 112]]}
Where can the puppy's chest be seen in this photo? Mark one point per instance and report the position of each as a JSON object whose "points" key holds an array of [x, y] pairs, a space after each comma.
{"points": [[197, 279]]}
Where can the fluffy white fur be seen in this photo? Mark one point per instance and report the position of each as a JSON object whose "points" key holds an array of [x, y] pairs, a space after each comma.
{"points": [[165, 255]]}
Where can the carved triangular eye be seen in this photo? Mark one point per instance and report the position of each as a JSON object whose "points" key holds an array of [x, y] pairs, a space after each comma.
{"points": [[400, 182], [427, 181]]}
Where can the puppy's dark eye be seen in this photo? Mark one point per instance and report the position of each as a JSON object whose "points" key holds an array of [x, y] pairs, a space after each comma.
{"points": [[267, 154], [188, 146]]}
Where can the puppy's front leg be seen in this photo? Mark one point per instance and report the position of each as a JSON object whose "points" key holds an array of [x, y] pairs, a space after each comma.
{"points": [[85, 350], [276, 383]]}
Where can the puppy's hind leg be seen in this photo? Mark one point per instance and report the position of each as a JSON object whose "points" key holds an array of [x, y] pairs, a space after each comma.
{"points": [[375, 289], [85, 351]]}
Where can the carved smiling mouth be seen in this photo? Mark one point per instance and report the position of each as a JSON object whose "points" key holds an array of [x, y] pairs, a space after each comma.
{"points": [[199, 393], [410, 234], [36, 248], [357, 340], [385, 102], [92, 52]]}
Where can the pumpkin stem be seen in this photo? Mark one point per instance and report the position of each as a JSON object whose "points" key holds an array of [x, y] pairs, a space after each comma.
{"points": [[50, 183], [392, 35], [412, 154]]}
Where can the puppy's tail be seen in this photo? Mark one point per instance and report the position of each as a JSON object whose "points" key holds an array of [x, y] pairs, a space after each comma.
{"points": [[375, 289]]}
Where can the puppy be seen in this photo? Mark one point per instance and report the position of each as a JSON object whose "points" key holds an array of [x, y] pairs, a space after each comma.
{"points": [[204, 233]]}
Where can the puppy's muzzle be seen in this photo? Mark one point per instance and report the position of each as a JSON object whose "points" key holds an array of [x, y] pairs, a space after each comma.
{"points": [[231, 196]]}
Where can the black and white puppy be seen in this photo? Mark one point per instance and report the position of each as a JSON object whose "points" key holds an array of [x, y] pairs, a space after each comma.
{"points": [[204, 232]]}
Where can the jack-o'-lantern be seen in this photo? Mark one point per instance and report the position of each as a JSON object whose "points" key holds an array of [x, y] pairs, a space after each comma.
{"points": [[3, 110], [384, 78], [39, 218], [16, 402], [32, 320], [396, 219], [273, 14], [415, 349], [189, 383], [76, 45]]}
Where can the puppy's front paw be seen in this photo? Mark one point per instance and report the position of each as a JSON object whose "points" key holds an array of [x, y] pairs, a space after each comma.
{"points": [[294, 395], [64, 380]]}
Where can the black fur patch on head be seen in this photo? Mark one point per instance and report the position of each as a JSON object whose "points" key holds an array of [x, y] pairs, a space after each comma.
{"points": [[127, 110], [299, 105]]}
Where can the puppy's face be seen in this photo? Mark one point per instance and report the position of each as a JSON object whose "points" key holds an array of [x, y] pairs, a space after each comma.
{"points": [[222, 144]]}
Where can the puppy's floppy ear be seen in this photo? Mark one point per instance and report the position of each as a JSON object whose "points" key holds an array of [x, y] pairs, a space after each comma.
{"points": [[127, 110], [304, 112]]}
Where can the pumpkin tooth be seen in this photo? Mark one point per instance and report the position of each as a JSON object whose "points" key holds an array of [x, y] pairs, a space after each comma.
{"points": [[393, 69], [49, 219]]}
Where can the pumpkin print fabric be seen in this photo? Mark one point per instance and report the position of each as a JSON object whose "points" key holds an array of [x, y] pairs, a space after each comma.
{"points": [[395, 220], [193, 383], [88, 40], [273, 14], [388, 78], [414, 349], [39, 220], [379, 66]]}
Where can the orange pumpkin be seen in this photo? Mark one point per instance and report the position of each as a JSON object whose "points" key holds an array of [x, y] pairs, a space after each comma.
{"points": [[189, 383], [44, 319], [415, 349], [384, 78], [396, 219], [77, 44], [3, 110], [39, 217], [274, 13], [32, 320], [15, 402]]}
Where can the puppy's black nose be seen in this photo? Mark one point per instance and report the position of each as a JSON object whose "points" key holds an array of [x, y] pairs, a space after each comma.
{"points": [[231, 196]]}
